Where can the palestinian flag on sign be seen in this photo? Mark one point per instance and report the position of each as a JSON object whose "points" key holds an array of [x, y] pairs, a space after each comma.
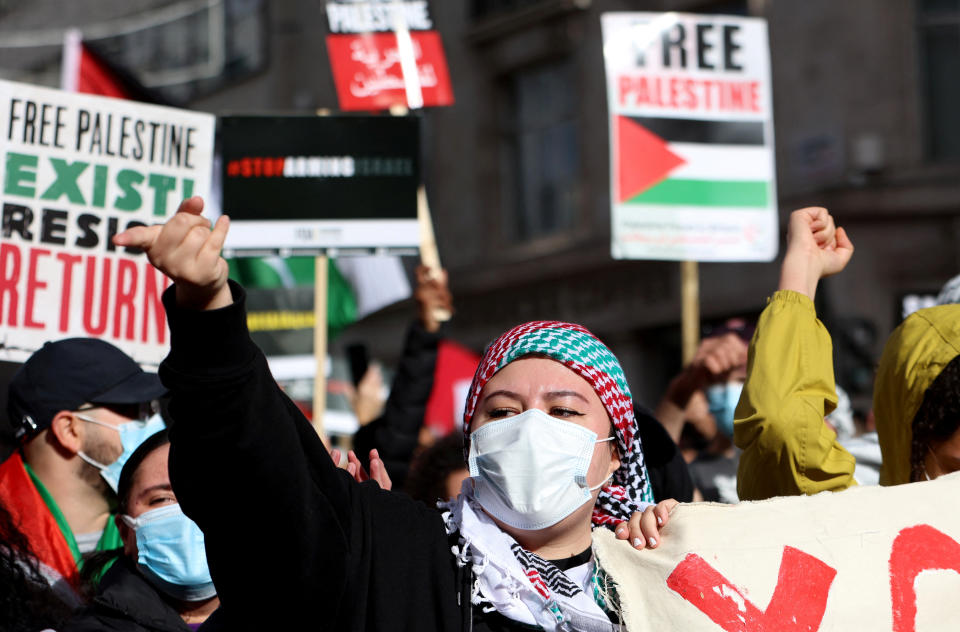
{"points": [[282, 288], [280, 296], [670, 161]]}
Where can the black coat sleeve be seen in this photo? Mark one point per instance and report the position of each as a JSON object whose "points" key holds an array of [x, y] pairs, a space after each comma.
{"points": [[289, 537], [669, 474], [395, 433]]}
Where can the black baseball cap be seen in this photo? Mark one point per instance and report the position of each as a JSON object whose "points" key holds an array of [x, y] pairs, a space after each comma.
{"points": [[65, 374]]}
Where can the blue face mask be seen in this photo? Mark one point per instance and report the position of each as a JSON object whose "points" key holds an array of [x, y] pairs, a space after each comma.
{"points": [[170, 553], [722, 399], [132, 434]]}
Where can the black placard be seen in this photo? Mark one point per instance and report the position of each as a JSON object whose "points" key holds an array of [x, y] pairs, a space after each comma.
{"points": [[320, 167]]}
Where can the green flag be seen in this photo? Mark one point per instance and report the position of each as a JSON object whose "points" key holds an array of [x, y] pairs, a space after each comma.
{"points": [[279, 275]]}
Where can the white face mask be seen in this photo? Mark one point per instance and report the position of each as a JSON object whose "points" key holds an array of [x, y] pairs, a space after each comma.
{"points": [[530, 470]]}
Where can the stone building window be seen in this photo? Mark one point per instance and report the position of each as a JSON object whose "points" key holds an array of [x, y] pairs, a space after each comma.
{"points": [[197, 54], [938, 23], [539, 151]]}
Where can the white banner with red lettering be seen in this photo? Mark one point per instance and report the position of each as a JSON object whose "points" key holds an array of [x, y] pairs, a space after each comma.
{"points": [[869, 558], [77, 169]]}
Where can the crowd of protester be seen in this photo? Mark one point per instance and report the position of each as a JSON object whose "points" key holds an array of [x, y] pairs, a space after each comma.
{"points": [[203, 499]]}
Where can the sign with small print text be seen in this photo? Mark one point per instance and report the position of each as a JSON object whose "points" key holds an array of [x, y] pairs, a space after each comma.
{"points": [[367, 43], [321, 184], [76, 170], [691, 137]]}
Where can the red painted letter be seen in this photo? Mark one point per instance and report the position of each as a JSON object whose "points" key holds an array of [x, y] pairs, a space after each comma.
{"points": [[123, 303], [917, 549], [152, 293], [798, 601], [9, 275], [33, 284], [89, 289], [68, 262]]}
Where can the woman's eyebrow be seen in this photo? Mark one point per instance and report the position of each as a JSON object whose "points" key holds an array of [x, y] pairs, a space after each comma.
{"points": [[559, 394], [502, 392], [547, 395], [165, 487]]}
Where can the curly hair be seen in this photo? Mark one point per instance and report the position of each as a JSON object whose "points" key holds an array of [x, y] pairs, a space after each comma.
{"points": [[26, 599], [427, 481], [938, 417]]}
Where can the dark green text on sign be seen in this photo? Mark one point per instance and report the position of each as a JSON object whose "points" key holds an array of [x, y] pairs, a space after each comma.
{"points": [[21, 180]]}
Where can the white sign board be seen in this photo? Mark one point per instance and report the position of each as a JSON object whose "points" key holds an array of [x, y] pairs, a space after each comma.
{"points": [[76, 170], [691, 137], [868, 558]]}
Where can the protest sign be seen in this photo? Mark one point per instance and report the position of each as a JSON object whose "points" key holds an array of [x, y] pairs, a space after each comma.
{"points": [[869, 558], [385, 53], [452, 377], [316, 184], [691, 137], [77, 170]]}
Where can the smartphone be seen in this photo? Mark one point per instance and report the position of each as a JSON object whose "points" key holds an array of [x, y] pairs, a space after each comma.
{"points": [[359, 361]]}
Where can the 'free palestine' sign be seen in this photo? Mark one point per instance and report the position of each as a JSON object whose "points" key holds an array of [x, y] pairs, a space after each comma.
{"points": [[691, 137], [76, 170]]}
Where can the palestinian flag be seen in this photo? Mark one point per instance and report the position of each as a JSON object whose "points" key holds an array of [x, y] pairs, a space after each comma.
{"points": [[280, 296], [280, 293], [687, 162], [86, 69]]}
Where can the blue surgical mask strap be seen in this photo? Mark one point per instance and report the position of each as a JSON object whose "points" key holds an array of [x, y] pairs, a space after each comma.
{"points": [[100, 423], [95, 463]]}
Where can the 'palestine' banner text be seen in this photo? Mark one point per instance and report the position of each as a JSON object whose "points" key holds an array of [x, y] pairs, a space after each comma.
{"points": [[75, 171]]}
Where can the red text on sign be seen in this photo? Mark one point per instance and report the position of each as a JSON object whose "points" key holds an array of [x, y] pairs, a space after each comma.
{"points": [[689, 94], [121, 297], [917, 549], [798, 602]]}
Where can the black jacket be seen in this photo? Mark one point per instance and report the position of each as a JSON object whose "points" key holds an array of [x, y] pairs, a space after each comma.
{"points": [[290, 538], [127, 602], [395, 433], [669, 474]]}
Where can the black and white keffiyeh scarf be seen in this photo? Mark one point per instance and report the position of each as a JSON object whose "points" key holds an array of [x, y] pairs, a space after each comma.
{"points": [[519, 584]]}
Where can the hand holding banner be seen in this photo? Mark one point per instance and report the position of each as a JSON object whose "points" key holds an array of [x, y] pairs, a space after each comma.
{"points": [[869, 558]]}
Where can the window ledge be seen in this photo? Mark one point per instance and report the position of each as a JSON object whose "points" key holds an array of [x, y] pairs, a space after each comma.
{"points": [[504, 23]]}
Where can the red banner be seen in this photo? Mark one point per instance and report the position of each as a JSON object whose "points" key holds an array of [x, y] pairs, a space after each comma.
{"points": [[451, 380], [368, 76]]}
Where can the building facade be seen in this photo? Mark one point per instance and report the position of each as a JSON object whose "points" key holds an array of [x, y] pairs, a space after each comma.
{"points": [[517, 171]]}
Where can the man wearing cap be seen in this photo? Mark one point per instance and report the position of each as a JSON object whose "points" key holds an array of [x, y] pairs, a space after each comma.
{"points": [[79, 407]]}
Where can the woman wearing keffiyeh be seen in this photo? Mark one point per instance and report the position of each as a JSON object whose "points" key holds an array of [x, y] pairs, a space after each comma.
{"points": [[553, 450], [523, 505]]}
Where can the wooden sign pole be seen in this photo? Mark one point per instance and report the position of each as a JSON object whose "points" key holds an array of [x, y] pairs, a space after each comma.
{"points": [[320, 342], [690, 310], [429, 253]]}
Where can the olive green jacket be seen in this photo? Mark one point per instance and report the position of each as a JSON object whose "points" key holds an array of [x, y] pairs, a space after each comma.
{"points": [[787, 447]]}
